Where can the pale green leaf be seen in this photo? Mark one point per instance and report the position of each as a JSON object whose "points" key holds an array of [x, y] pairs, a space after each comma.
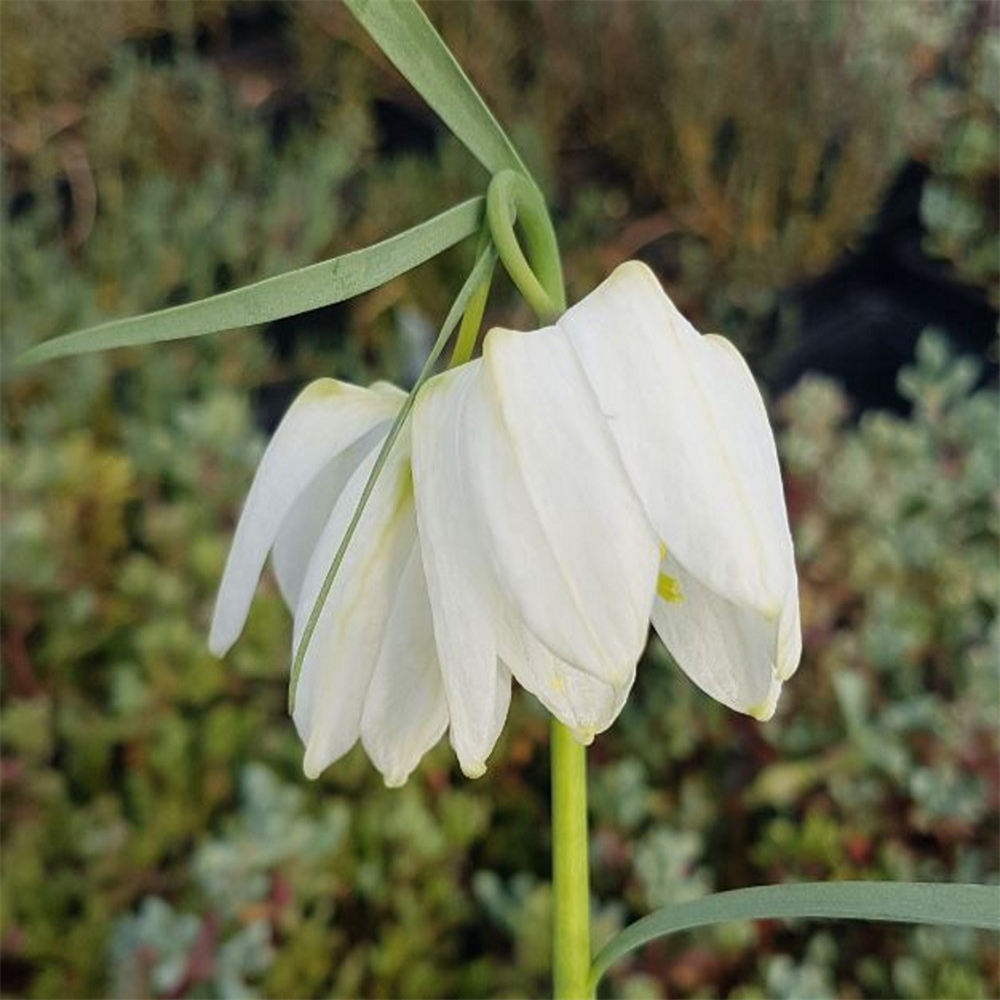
{"points": [[897, 902], [401, 30], [274, 298]]}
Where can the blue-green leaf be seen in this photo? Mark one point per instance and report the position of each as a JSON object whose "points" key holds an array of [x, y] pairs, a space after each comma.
{"points": [[273, 298], [899, 902], [401, 30]]}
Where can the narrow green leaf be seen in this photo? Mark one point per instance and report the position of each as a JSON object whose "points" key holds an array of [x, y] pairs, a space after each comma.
{"points": [[401, 30], [899, 902], [480, 275], [274, 298]]}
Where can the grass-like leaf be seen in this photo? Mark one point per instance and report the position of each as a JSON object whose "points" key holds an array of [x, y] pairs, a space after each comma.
{"points": [[274, 298], [897, 902], [401, 30]]}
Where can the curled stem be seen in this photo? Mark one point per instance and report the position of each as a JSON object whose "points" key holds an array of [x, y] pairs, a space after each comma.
{"points": [[513, 199]]}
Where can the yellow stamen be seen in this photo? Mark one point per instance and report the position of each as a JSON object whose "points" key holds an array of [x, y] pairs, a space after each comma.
{"points": [[669, 589]]}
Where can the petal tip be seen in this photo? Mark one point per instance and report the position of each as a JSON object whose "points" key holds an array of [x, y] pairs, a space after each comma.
{"points": [[219, 643], [473, 769], [635, 270], [312, 764], [217, 649], [764, 710], [321, 388]]}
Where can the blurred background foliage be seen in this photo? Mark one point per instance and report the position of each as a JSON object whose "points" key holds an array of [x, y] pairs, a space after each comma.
{"points": [[158, 837]]}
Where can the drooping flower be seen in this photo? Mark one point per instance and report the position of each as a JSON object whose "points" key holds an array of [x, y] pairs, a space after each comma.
{"points": [[543, 503]]}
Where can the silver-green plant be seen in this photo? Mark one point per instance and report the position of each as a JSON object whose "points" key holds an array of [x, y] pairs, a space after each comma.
{"points": [[512, 196]]}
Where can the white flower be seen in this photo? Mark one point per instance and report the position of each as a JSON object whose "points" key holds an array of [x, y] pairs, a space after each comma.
{"points": [[543, 503]]}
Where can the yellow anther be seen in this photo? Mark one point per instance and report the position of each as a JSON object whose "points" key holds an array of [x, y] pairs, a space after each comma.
{"points": [[669, 589]]}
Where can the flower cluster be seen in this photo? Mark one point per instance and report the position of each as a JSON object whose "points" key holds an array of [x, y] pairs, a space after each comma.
{"points": [[543, 504]]}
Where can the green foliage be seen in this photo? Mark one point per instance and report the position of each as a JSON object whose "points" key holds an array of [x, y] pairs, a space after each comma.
{"points": [[157, 834], [959, 201]]}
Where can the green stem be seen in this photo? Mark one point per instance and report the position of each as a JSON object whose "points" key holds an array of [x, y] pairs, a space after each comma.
{"points": [[512, 198], [472, 318], [570, 867]]}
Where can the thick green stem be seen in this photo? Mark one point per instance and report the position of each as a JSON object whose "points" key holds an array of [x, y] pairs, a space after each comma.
{"points": [[570, 867]]}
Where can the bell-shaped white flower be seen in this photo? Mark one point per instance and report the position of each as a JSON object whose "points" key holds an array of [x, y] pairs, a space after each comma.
{"points": [[541, 506], [693, 434]]}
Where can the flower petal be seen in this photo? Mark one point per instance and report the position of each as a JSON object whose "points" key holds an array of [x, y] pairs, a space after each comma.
{"points": [[584, 704], [732, 652], [304, 523], [325, 419], [459, 582], [338, 665], [405, 711], [693, 433], [572, 547]]}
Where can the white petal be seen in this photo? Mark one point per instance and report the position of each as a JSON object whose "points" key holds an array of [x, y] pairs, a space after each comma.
{"points": [[572, 547], [325, 419], [338, 665], [458, 578], [693, 434], [789, 633], [405, 711], [302, 526], [732, 652], [581, 702]]}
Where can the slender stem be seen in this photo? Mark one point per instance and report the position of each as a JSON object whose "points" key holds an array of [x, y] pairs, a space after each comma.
{"points": [[472, 318], [570, 867], [513, 198]]}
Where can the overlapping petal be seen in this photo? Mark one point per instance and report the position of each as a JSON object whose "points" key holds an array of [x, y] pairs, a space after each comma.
{"points": [[693, 433], [459, 581], [574, 551], [341, 657], [325, 423], [539, 558], [728, 650], [405, 711], [373, 647]]}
